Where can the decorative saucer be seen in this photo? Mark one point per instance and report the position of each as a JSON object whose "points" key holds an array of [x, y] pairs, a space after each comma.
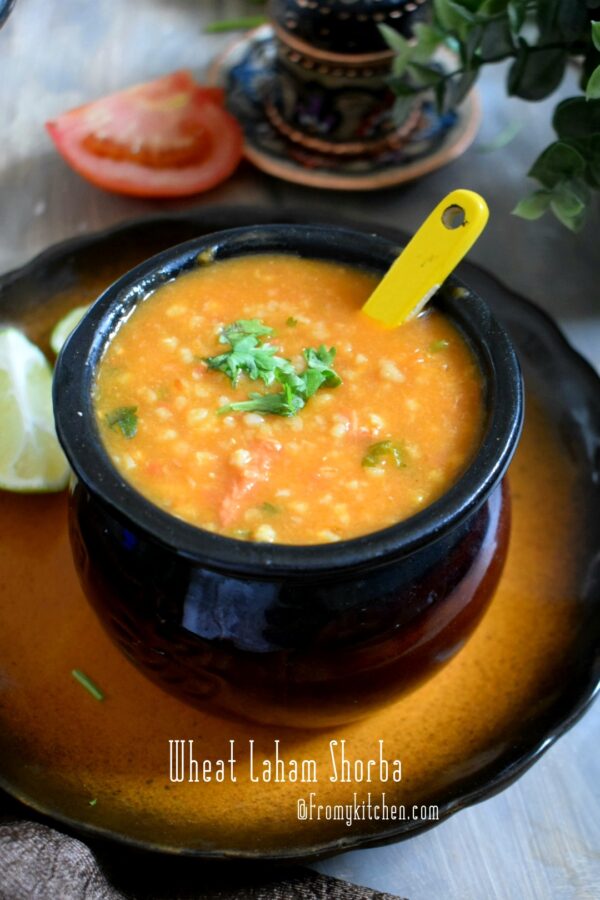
{"points": [[247, 72]]}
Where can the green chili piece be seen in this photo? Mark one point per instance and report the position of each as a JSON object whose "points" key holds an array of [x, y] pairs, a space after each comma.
{"points": [[384, 452]]}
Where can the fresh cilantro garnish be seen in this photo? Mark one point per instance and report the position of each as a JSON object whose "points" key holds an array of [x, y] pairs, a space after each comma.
{"points": [[319, 369], [284, 403], [384, 452], [243, 327], [270, 508], [247, 354], [259, 361], [125, 419], [291, 321]]}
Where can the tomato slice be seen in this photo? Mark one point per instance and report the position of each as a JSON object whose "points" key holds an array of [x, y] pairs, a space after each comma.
{"points": [[166, 138]]}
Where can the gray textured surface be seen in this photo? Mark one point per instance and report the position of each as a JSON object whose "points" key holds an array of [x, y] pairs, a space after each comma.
{"points": [[541, 838]]}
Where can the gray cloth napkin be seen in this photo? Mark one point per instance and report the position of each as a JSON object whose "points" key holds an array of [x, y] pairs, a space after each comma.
{"points": [[39, 862]]}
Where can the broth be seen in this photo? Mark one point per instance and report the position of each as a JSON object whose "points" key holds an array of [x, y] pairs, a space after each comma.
{"points": [[357, 457]]}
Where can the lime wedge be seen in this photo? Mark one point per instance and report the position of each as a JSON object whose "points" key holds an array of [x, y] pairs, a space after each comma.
{"points": [[63, 329], [30, 456]]}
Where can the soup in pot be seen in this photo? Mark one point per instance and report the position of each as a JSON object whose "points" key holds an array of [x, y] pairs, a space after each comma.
{"points": [[253, 398]]}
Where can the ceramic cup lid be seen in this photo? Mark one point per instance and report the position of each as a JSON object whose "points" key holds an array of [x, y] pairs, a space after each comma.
{"points": [[345, 26]]}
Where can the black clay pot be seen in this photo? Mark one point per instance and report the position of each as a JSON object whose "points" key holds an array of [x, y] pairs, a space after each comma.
{"points": [[305, 636]]}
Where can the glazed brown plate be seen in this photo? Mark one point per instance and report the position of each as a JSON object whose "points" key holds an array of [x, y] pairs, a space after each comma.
{"points": [[528, 672]]}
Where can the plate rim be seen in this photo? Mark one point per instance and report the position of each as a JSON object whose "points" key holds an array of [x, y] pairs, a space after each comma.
{"points": [[512, 770]]}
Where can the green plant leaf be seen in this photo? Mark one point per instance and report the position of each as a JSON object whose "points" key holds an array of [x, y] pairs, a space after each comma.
{"points": [[546, 13], [441, 91], [517, 11], [423, 75], [571, 19], [541, 36], [570, 200], [402, 88], [463, 10], [471, 45], [494, 8], [572, 222], [458, 88], [536, 73], [591, 59], [403, 51], [576, 118], [517, 68], [592, 91], [577, 122], [497, 41], [534, 206], [394, 40], [428, 40], [399, 65], [451, 17], [581, 189], [558, 162]]}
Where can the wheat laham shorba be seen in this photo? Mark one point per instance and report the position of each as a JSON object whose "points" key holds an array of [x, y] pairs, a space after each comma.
{"points": [[253, 398]]}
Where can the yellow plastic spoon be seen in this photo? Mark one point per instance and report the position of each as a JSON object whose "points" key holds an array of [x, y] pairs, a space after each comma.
{"points": [[445, 236]]}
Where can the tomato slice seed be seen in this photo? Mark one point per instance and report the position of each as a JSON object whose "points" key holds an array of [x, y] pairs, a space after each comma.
{"points": [[196, 149]]}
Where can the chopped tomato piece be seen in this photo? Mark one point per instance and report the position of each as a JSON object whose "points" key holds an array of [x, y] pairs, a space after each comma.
{"points": [[261, 458], [167, 138]]}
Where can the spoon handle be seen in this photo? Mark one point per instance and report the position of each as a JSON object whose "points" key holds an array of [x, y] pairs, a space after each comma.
{"points": [[444, 238]]}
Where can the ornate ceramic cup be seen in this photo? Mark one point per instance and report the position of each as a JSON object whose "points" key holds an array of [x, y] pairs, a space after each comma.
{"points": [[331, 94], [296, 635]]}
